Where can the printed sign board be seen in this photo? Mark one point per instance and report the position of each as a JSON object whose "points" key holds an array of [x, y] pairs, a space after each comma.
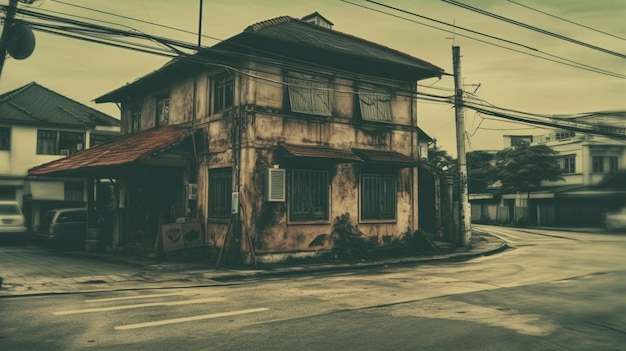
{"points": [[178, 236]]}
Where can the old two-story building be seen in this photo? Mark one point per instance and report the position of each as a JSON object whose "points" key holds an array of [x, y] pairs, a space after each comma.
{"points": [[38, 125], [593, 168], [265, 138]]}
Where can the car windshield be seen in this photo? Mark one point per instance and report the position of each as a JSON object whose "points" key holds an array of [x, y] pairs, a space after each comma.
{"points": [[9, 209]]}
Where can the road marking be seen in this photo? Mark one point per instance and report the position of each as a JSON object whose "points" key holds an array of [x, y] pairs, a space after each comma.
{"points": [[188, 319], [133, 297], [125, 307]]}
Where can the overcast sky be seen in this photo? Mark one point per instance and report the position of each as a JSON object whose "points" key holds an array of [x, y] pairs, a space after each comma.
{"points": [[509, 79]]}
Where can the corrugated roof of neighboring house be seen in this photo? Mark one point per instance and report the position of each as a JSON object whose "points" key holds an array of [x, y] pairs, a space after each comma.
{"points": [[295, 41], [35, 104], [118, 151]]}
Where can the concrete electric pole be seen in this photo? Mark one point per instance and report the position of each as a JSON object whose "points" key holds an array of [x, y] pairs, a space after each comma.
{"points": [[8, 22], [466, 219]]}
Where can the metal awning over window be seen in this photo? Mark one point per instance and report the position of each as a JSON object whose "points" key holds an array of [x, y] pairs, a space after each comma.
{"points": [[110, 155], [385, 157], [317, 152]]}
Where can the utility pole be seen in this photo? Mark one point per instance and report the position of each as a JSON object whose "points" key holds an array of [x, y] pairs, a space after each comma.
{"points": [[8, 22], [466, 220]]}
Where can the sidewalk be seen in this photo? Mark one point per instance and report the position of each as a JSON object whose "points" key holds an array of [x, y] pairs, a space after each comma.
{"points": [[152, 274]]}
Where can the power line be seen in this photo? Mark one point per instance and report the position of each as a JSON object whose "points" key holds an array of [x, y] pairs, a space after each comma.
{"points": [[98, 34], [558, 59], [533, 28], [565, 20]]}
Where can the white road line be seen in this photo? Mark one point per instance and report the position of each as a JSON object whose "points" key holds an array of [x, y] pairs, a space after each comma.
{"points": [[188, 319], [125, 307], [133, 297]]}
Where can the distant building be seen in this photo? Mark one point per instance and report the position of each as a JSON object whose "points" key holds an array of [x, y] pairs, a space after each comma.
{"points": [[592, 167], [38, 125]]}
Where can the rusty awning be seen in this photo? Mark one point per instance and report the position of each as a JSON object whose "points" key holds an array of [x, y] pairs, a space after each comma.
{"points": [[385, 157], [125, 150], [317, 152]]}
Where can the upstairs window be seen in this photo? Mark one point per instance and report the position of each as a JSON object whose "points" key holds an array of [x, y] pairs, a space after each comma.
{"points": [[162, 111], [223, 92], [220, 192], [567, 164], [378, 196], [375, 105], [52, 142], [564, 135], [135, 119], [309, 96], [5, 138]]}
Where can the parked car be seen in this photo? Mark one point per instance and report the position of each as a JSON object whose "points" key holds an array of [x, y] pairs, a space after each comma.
{"points": [[12, 222], [616, 220], [63, 226]]}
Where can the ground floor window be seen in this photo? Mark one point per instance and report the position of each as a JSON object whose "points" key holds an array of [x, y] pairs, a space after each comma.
{"points": [[378, 196], [309, 195], [220, 192], [74, 191]]}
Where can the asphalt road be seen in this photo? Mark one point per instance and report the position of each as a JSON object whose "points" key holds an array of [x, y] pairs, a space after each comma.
{"points": [[551, 291]]}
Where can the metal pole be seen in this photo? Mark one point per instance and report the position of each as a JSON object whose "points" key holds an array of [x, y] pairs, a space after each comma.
{"points": [[466, 220], [200, 26], [8, 22]]}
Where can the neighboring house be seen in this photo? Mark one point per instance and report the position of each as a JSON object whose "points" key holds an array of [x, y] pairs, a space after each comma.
{"points": [[590, 187], [38, 125], [266, 138]]}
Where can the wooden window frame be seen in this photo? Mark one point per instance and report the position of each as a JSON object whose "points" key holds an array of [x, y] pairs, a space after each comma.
{"points": [[162, 115], [223, 92]]}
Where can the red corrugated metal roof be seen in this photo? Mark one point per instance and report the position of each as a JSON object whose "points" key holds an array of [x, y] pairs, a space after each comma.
{"points": [[319, 152], [123, 150]]}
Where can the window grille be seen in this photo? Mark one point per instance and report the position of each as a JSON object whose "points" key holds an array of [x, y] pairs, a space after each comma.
{"points": [[378, 196], [309, 195], [220, 192]]}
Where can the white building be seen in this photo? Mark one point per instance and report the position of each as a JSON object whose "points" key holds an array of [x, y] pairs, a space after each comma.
{"points": [[37, 126], [593, 170]]}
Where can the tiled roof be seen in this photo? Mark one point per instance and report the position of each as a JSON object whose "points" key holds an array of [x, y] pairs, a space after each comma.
{"points": [[385, 157], [325, 152], [295, 31], [118, 151], [35, 104], [293, 40]]}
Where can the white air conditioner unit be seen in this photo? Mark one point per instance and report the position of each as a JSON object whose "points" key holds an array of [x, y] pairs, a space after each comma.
{"points": [[274, 185], [192, 191], [64, 152]]}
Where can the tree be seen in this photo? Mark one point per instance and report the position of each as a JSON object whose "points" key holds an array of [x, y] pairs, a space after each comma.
{"points": [[480, 171], [523, 167], [440, 159]]}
